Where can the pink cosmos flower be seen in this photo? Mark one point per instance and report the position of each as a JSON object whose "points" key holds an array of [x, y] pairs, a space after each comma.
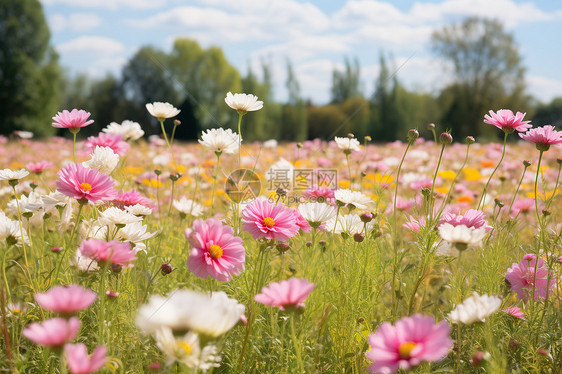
{"points": [[263, 219], [73, 120], [415, 225], [216, 251], [543, 137], [53, 332], [79, 182], [472, 218], [113, 141], [523, 206], [505, 120], [515, 312], [38, 167], [302, 223], [66, 300], [113, 252], [409, 342], [288, 294], [320, 194], [523, 280], [80, 363], [130, 198]]}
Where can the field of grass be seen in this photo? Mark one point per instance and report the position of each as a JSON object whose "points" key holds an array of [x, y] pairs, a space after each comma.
{"points": [[382, 259]]}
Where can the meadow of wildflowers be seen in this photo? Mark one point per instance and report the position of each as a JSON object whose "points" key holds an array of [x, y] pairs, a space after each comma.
{"points": [[121, 255]]}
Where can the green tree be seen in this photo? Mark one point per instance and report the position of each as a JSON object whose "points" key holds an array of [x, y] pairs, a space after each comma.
{"points": [[29, 71], [388, 121], [549, 114], [346, 84], [294, 116], [488, 74]]}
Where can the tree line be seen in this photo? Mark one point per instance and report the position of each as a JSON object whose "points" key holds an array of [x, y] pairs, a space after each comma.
{"points": [[486, 68]]}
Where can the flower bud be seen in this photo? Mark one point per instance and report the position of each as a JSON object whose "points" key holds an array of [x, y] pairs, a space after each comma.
{"points": [[166, 268], [308, 244], [358, 237], [283, 247], [367, 217], [445, 138], [158, 172], [56, 249], [177, 122], [431, 126], [470, 140], [413, 134], [526, 163], [368, 138]]}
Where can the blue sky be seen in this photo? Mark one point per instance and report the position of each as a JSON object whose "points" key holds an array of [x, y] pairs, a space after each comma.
{"points": [[98, 36]]}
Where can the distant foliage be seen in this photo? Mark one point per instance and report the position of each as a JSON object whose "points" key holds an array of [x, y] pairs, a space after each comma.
{"points": [[29, 70]]}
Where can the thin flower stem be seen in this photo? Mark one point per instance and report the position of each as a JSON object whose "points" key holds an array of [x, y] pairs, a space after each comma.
{"points": [[101, 296], [215, 183], [63, 254], [74, 146], [21, 226], [431, 198], [167, 141], [349, 169], [296, 343], [536, 195], [484, 192], [549, 202], [240, 114], [517, 189], [453, 183], [395, 234]]}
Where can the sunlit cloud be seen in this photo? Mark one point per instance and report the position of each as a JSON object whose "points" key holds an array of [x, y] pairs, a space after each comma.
{"points": [[91, 45]]}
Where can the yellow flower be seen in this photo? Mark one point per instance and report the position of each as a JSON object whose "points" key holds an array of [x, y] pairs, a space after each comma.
{"points": [[447, 174], [471, 174], [344, 183]]}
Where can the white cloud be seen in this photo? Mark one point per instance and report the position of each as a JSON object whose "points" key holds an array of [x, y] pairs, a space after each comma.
{"points": [[74, 22], [97, 45], [507, 11], [544, 89], [109, 4]]}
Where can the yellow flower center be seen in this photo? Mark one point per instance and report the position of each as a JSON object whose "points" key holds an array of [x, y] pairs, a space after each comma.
{"points": [[269, 222], [405, 349], [186, 347], [86, 186], [215, 251], [15, 310]]}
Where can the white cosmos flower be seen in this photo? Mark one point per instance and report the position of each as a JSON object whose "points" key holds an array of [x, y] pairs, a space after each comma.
{"points": [[103, 160], [186, 350], [9, 175], [84, 264], [474, 309], [128, 129], [162, 110], [461, 236], [220, 140], [116, 216], [355, 198], [24, 134], [10, 231], [187, 206], [349, 224], [317, 213], [271, 143], [243, 102], [139, 210], [135, 233], [347, 143], [186, 310], [280, 174]]}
